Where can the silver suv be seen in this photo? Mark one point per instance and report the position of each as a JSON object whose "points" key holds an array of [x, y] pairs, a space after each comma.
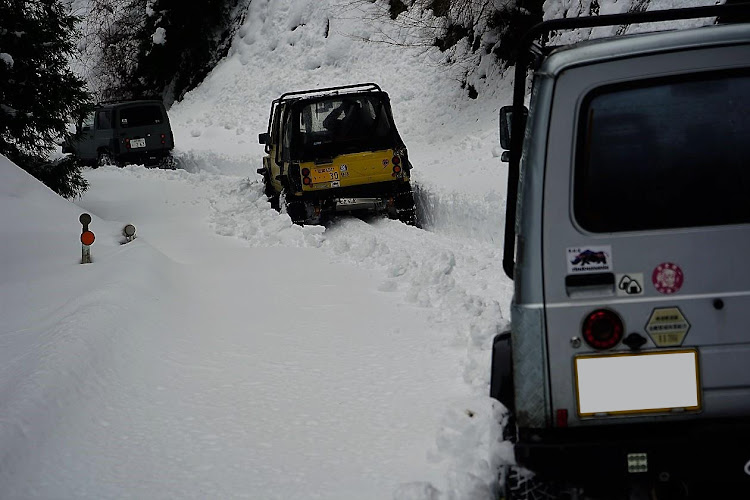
{"points": [[121, 132], [626, 372]]}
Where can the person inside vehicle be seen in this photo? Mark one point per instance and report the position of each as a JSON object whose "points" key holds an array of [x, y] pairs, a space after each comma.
{"points": [[346, 121]]}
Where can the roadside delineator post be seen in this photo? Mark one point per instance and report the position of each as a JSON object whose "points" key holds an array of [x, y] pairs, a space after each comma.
{"points": [[87, 238], [129, 233]]}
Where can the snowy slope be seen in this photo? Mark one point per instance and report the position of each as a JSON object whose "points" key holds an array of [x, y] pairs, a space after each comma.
{"points": [[304, 44]]}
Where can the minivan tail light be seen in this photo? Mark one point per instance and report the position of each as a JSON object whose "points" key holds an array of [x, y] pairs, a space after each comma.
{"points": [[602, 329], [163, 138]]}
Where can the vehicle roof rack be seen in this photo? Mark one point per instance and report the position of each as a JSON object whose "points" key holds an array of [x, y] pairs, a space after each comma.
{"points": [[726, 11], [127, 99], [361, 86]]}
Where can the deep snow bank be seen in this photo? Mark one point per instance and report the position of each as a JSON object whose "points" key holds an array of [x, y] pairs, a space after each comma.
{"points": [[60, 319]]}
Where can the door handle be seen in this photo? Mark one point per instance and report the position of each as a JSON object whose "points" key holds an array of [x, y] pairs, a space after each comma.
{"points": [[590, 284]]}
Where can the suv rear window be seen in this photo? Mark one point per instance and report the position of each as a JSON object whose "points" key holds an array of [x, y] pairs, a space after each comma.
{"points": [[139, 116], [665, 153], [349, 123]]}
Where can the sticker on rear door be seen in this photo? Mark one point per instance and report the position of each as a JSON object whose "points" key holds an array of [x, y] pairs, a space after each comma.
{"points": [[667, 326], [629, 284], [667, 278], [589, 259]]}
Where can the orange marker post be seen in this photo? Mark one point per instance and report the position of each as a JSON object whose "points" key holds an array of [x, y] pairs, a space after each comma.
{"points": [[87, 239]]}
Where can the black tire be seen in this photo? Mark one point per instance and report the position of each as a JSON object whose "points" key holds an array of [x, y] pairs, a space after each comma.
{"points": [[273, 196], [405, 209], [521, 484], [169, 162], [105, 158], [295, 209]]}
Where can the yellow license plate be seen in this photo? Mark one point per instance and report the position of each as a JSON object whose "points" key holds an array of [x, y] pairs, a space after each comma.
{"points": [[637, 383], [326, 174]]}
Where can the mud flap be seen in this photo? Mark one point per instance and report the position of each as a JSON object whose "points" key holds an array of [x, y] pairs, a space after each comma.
{"points": [[501, 378]]}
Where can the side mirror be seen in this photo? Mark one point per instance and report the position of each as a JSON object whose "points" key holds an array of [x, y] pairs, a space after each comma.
{"points": [[506, 123], [263, 138]]}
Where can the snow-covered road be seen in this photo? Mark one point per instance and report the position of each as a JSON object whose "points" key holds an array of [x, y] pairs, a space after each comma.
{"points": [[227, 353]]}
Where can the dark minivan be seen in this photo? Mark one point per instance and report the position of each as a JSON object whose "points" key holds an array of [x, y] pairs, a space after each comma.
{"points": [[123, 132]]}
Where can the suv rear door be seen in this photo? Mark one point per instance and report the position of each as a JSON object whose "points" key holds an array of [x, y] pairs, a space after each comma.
{"points": [[653, 189], [348, 139], [147, 121]]}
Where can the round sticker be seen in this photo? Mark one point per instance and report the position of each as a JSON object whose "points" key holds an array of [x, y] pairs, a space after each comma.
{"points": [[667, 278]]}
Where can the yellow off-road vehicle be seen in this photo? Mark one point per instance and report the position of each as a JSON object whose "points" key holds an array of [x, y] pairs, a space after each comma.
{"points": [[336, 150]]}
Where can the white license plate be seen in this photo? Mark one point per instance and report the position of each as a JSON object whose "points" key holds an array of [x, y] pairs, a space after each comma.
{"points": [[137, 143], [636, 383], [326, 174]]}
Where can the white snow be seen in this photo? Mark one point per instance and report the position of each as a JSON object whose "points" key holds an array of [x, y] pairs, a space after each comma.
{"points": [[7, 59], [160, 36], [227, 353], [150, 7]]}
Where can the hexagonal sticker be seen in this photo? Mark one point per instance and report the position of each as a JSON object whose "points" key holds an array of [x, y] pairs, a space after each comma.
{"points": [[667, 326]]}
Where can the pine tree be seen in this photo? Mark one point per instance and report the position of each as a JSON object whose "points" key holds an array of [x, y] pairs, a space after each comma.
{"points": [[39, 95]]}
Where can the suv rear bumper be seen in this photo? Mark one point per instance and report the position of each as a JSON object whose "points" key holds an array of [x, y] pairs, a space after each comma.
{"points": [[394, 198], [144, 157], [372, 190], [686, 450]]}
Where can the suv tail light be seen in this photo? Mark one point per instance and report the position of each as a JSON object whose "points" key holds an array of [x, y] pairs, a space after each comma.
{"points": [[602, 329]]}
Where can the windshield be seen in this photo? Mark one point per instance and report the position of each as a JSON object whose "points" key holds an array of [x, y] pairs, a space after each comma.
{"points": [[343, 124], [139, 116], [665, 154]]}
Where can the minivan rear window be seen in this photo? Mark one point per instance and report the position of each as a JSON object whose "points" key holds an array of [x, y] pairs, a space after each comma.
{"points": [[139, 116], [664, 153]]}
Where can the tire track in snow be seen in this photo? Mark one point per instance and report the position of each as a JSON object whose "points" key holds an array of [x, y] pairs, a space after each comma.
{"points": [[460, 280]]}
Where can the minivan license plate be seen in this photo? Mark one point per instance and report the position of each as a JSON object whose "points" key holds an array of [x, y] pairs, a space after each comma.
{"points": [[137, 143], [637, 383]]}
